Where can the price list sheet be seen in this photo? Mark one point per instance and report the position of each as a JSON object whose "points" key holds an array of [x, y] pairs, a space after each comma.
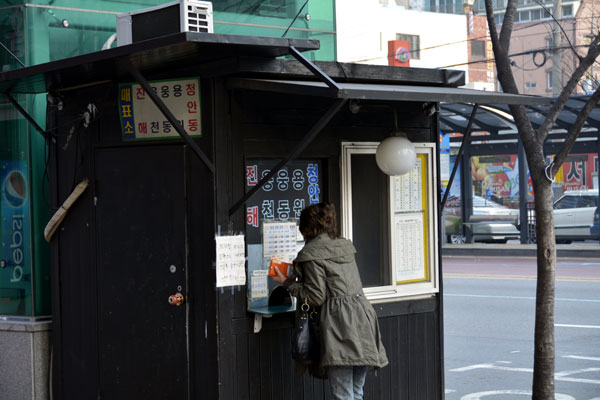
{"points": [[279, 239]]}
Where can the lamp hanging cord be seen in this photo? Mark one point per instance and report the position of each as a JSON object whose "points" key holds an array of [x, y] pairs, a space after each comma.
{"points": [[547, 172], [295, 18]]}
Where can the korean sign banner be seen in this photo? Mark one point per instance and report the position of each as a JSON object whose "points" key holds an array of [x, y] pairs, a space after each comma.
{"points": [[294, 187], [141, 119]]}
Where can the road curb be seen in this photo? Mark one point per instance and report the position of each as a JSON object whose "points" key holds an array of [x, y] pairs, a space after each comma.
{"points": [[512, 250]]}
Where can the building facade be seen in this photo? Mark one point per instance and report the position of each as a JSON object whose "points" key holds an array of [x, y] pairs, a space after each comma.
{"points": [[366, 28], [534, 47]]}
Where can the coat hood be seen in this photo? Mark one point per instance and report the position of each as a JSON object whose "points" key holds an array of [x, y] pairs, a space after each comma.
{"points": [[324, 248]]}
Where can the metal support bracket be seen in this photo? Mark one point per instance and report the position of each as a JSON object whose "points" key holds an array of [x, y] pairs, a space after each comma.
{"points": [[459, 156], [136, 74], [306, 140], [258, 321], [25, 114], [314, 69]]}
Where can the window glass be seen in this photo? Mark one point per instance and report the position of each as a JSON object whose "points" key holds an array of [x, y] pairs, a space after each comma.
{"points": [[87, 25], [478, 48], [566, 202], [369, 220], [414, 42], [15, 210], [530, 85], [567, 11], [392, 221], [499, 18], [588, 201]]}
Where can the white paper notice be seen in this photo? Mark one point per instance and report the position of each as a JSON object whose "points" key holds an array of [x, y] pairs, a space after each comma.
{"points": [[279, 239], [409, 252], [231, 260], [407, 190], [259, 288]]}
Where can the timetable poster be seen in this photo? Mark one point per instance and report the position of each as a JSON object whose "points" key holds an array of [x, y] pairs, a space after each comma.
{"points": [[409, 253], [141, 118], [284, 196], [410, 248], [407, 190]]}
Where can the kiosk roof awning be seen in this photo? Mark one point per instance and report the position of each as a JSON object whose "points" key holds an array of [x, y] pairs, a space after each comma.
{"points": [[172, 52], [387, 92]]}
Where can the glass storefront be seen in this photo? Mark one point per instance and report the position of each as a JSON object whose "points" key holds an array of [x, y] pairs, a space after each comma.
{"points": [[495, 208]]}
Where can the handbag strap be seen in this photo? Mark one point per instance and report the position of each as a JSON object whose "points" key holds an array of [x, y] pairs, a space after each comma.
{"points": [[305, 304]]}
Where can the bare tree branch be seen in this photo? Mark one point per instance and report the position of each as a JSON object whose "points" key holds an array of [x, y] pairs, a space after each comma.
{"points": [[540, 3], [507, 24], [574, 130], [504, 69], [586, 62], [489, 11]]}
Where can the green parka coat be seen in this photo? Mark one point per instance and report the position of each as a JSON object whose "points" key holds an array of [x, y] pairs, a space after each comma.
{"points": [[328, 276]]}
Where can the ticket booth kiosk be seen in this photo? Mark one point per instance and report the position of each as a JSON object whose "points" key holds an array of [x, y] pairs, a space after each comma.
{"points": [[199, 151]]}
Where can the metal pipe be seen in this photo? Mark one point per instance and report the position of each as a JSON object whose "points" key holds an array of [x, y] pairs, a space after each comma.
{"points": [[466, 136], [26, 115]]}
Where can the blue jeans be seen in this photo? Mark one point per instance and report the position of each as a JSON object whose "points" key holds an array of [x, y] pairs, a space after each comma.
{"points": [[347, 382]]}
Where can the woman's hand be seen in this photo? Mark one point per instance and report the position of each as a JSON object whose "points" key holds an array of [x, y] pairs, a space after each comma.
{"points": [[280, 278]]}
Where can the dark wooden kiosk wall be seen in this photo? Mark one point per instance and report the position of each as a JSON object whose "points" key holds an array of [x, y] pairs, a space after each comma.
{"points": [[145, 227], [258, 366], [149, 206]]}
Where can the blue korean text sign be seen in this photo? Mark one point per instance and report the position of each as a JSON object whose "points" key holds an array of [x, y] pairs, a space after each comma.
{"points": [[294, 187], [15, 230]]}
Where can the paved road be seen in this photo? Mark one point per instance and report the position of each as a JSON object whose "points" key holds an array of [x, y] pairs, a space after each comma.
{"points": [[489, 306]]}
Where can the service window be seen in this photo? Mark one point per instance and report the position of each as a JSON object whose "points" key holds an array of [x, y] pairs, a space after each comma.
{"points": [[392, 222]]}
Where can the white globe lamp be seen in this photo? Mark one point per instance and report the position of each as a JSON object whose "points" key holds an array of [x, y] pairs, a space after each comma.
{"points": [[396, 155]]}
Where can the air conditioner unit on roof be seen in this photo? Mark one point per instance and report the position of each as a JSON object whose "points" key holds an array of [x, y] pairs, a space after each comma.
{"points": [[178, 16]]}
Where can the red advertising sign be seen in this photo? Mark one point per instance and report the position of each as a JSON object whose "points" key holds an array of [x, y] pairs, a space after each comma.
{"points": [[399, 53]]}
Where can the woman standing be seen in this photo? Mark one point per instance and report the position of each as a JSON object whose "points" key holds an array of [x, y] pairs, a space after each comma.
{"points": [[326, 275]]}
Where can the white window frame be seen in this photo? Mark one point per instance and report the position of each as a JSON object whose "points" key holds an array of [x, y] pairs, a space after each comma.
{"points": [[395, 290], [530, 85]]}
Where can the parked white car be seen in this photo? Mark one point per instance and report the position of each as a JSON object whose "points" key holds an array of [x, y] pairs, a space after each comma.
{"points": [[574, 214], [490, 222]]}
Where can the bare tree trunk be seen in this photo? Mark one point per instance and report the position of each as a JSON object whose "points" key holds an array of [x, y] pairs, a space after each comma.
{"points": [[541, 176], [543, 367]]}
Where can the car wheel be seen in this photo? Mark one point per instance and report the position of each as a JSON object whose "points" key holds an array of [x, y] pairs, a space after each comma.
{"points": [[531, 233], [563, 241], [456, 239]]}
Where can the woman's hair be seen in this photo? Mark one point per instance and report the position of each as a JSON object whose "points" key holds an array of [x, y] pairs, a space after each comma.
{"points": [[318, 218]]}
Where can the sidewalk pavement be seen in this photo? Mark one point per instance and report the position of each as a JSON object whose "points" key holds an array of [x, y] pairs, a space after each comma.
{"points": [[588, 249]]}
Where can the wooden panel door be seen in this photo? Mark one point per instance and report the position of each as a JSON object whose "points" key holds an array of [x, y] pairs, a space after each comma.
{"points": [[141, 261]]}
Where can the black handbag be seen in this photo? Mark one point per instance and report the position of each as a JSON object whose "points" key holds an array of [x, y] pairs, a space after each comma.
{"points": [[305, 339]]}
